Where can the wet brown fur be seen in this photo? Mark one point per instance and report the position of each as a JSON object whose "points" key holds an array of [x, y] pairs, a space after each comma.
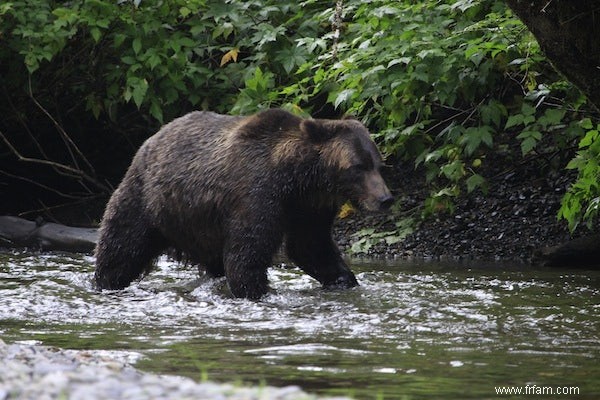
{"points": [[225, 192]]}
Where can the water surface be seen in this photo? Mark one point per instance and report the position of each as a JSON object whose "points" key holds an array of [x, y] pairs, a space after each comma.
{"points": [[411, 330]]}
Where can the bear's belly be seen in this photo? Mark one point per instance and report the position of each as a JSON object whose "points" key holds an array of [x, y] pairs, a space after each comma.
{"points": [[199, 238]]}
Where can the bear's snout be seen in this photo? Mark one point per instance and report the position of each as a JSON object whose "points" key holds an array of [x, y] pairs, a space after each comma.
{"points": [[385, 202], [377, 196]]}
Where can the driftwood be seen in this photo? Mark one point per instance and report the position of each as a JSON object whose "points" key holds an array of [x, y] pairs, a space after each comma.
{"points": [[19, 232]]}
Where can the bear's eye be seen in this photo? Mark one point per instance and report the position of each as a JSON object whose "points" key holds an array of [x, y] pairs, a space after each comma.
{"points": [[359, 167]]}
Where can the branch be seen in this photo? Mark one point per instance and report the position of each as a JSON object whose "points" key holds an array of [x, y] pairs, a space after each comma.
{"points": [[336, 26], [66, 138], [66, 168], [32, 137], [58, 192]]}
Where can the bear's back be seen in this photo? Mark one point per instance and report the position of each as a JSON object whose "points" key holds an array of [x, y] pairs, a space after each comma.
{"points": [[186, 141], [197, 126]]}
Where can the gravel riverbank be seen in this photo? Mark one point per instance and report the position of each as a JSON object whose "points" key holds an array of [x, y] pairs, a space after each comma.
{"points": [[39, 373], [512, 223]]}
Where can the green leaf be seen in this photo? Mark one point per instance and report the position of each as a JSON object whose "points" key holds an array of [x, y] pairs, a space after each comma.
{"points": [[128, 60], [96, 34], [576, 163], [474, 181], [514, 120], [137, 45], [187, 42], [491, 114], [153, 61], [184, 11], [528, 120], [454, 170], [119, 38], [536, 135], [526, 109], [527, 145], [590, 137], [431, 52], [5, 7], [486, 136], [156, 111], [93, 105], [31, 62], [138, 92], [392, 239], [401, 60], [361, 246], [223, 30], [474, 136], [432, 156], [554, 116], [343, 97], [586, 123]]}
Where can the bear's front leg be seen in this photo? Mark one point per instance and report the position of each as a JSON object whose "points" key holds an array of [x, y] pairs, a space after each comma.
{"points": [[309, 244], [322, 260], [248, 254], [246, 280]]}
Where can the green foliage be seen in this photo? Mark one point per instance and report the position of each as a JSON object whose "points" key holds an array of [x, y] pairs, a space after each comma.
{"points": [[366, 238], [441, 83], [159, 56], [532, 126], [582, 201]]}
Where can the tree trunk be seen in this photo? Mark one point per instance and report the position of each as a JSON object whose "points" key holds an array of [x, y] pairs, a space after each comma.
{"points": [[568, 32]]}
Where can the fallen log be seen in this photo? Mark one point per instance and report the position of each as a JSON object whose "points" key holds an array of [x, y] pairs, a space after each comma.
{"points": [[41, 235]]}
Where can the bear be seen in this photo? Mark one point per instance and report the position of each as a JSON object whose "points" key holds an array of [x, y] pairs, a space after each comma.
{"points": [[228, 192]]}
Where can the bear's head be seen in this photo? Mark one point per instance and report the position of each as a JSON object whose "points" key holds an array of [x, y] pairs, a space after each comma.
{"points": [[351, 161]]}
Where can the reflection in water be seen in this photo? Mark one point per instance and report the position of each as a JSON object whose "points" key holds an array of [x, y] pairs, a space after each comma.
{"points": [[409, 329]]}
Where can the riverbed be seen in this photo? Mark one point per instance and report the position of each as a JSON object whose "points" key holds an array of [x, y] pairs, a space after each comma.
{"points": [[411, 330]]}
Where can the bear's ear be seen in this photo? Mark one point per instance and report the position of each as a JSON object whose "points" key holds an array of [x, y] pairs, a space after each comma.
{"points": [[317, 131]]}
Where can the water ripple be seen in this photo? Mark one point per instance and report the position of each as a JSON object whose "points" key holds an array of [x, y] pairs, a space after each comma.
{"points": [[403, 319]]}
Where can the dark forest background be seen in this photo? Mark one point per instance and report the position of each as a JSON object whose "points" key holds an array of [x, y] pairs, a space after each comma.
{"points": [[443, 86]]}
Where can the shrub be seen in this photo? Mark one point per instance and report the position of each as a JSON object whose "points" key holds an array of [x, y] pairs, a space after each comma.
{"points": [[441, 83]]}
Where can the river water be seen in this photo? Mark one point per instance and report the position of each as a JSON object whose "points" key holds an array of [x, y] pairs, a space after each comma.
{"points": [[410, 331]]}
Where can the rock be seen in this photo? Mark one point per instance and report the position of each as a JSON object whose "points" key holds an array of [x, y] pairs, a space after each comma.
{"points": [[39, 372]]}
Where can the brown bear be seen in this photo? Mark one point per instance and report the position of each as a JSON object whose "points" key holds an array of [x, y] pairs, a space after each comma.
{"points": [[227, 191]]}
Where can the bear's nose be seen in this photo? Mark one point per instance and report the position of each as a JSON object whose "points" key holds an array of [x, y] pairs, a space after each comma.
{"points": [[386, 201]]}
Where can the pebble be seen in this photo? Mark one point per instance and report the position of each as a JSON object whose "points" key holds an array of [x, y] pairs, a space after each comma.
{"points": [[39, 373]]}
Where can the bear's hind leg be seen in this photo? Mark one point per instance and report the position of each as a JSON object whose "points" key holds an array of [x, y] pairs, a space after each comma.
{"points": [[126, 248], [215, 269], [123, 257], [212, 267]]}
